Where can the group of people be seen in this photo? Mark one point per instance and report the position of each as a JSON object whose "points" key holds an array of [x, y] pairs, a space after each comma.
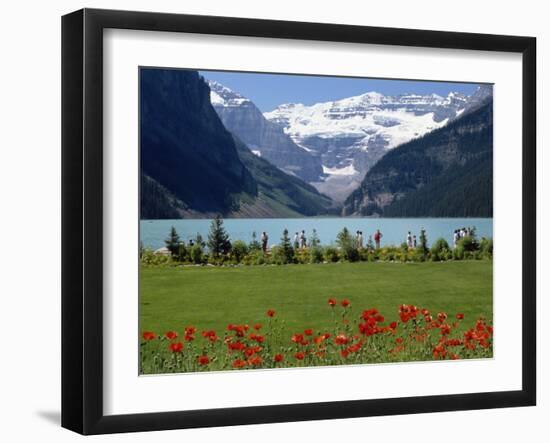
{"points": [[359, 239], [300, 241], [461, 233], [411, 241]]}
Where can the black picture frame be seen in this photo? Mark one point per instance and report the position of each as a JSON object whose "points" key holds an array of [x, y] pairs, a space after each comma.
{"points": [[82, 218]]}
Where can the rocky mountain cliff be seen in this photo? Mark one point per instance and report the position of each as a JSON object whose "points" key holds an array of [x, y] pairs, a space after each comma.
{"points": [[445, 173], [265, 139], [352, 134], [192, 166]]}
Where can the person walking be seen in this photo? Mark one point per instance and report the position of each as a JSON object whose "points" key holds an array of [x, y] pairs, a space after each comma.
{"points": [[360, 239], [296, 241], [377, 238], [264, 238], [456, 237], [303, 240], [409, 240], [414, 241]]}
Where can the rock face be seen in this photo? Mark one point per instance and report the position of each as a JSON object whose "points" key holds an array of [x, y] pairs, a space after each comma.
{"points": [[265, 139], [446, 173], [352, 134], [192, 166], [184, 146]]}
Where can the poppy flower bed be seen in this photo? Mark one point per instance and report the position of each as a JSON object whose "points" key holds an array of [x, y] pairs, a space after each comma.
{"points": [[366, 336]]}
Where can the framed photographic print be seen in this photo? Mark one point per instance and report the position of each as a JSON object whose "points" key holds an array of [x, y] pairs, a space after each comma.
{"points": [[305, 221]]}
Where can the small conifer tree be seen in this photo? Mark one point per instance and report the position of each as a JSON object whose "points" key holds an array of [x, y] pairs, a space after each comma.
{"points": [[218, 239]]}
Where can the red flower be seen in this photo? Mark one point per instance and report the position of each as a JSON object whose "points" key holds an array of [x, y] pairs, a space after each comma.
{"points": [[203, 360], [239, 363], [332, 302], [442, 317], [399, 340], [148, 335], [299, 356], [460, 316], [308, 331], [345, 303], [237, 346], [271, 313], [344, 353], [439, 352], [210, 335], [445, 329], [255, 360], [189, 337], [176, 347], [257, 326], [190, 330], [393, 325], [341, 339], [171, 335], [278, 358], [454, 357], [299, 339]]}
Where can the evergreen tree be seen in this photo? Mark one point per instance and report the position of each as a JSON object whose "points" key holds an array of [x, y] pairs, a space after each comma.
{"points": [[254, 244], [423, 246], [347, 245], [173, 241], [287, 250], [315, 242], [218, 239]]}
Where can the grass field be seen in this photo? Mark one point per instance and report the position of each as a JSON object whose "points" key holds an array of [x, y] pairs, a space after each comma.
{"points": [[210, 298]]}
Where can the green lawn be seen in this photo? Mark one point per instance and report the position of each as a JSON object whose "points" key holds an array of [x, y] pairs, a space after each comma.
{"points": [[210, 298]]}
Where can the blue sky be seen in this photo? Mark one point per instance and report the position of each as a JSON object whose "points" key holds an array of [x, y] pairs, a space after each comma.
{"points": [[268, 91]]}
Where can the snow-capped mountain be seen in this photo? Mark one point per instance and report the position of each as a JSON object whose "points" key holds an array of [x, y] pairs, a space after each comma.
{"points": [[264, 138], [351, 134]]}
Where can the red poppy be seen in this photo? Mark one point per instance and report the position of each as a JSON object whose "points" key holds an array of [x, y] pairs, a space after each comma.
{"points": [[393, 325], [257, 326], [460, 316], [210, 335], [439, 352], [332, 302], [176, 347], [271, 313], [341, 339], [148, 335], [442, 317], [203, 360], [445, 329], [399, 340], [189, 337], [454, 357], [344, 353], [190, 330], [171, 335], [308, 331], [278, 358], [299, 356], [299, 339], [255, 360], [345, 303], [239, 363]]}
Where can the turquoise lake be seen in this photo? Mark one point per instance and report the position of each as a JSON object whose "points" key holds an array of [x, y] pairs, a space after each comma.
{"points": [[394, 230]]}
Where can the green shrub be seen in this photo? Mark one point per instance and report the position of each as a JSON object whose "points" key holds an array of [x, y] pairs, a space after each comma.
{"points": [[486, 247], [255, 257], [148, 257], [348, 246], [239, 250], [196, 254], [440, 245], [182, 254], [315, 255], [331, 254]]}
